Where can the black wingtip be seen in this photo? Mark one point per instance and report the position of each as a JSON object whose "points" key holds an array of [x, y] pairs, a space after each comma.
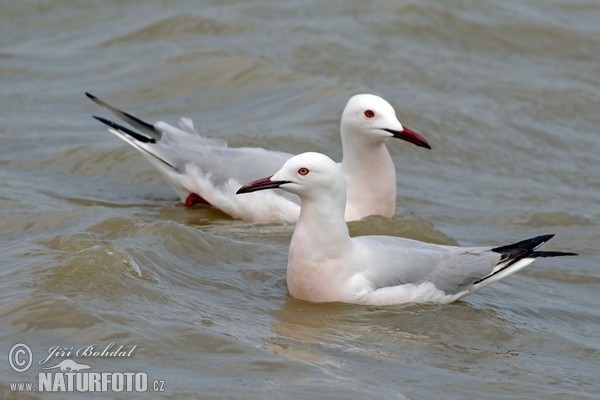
{"points": [[526, 248], [135, 135], [527, 244], [147, 128], [104, 121], [138, 137], [552, 254], [512, 253]]}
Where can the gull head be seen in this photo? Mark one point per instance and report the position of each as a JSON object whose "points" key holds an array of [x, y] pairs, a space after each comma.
{"points": [[307, 175], [370, 118]]}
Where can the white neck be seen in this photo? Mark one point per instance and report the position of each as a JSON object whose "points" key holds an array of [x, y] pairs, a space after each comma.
{"points": [[320, 234], [371, 178]]}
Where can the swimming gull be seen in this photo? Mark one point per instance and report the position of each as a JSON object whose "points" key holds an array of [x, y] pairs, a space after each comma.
{"points": [[204, 170], [325, 264]]}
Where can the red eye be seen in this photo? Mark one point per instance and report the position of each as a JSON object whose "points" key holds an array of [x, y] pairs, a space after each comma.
{"points": [[369, 113], [303, 171]]}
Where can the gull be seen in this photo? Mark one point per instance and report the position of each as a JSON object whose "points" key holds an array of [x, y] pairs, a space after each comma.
{"points": [[207, 171], [326, 265]]}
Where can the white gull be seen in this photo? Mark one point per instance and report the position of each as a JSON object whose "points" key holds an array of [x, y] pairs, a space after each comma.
{"points": [[325, 264], [204, 170]]}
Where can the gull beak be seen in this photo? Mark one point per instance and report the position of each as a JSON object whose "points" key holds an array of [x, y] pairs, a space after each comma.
{"points": [[261, 184], [410, 136]]}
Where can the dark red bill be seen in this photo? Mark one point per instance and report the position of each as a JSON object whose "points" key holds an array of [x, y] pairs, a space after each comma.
{"points": [[261, 184], [410, 136]]}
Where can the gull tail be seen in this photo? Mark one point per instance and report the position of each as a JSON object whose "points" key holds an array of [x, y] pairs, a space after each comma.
{"points": [[517, 256], [148, 141], [139, 141], [145, 140], [526, 248], [143, 126]]}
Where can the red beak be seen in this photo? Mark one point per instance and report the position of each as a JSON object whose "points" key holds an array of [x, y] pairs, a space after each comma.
{"points": [[261, 184], [410, 136]]}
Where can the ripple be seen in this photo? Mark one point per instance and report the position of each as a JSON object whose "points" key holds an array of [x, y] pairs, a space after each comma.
{"points": [[179, 26], [409, 227], [550, 219]]}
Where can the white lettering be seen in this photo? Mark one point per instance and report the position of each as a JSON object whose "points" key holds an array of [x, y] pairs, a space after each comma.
{"points": [[59, 383], [131, 351], [21, 386], [106, 379], [83, 383], [85, 351], [118, 382], [141, 382], [70, 377], [107, 348], [45, 381], [94, 382], [129, 376], [91, 382], [57, 351]]}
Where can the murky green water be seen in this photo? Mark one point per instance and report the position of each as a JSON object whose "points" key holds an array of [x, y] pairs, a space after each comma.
{"points": [[97, 249]]}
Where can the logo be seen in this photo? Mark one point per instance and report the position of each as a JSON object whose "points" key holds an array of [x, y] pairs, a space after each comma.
{"points": [[69, 366], [69, 375], [20, 357]]}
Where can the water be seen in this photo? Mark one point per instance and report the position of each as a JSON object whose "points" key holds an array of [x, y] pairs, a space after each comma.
{"points": [[96, 248]]}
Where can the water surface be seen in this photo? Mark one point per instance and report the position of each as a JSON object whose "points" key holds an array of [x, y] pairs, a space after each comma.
{"points": [[97, 249]]}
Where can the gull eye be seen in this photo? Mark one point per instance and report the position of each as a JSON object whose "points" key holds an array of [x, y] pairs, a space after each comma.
{"points": [[303, 171], [369, 113]]}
